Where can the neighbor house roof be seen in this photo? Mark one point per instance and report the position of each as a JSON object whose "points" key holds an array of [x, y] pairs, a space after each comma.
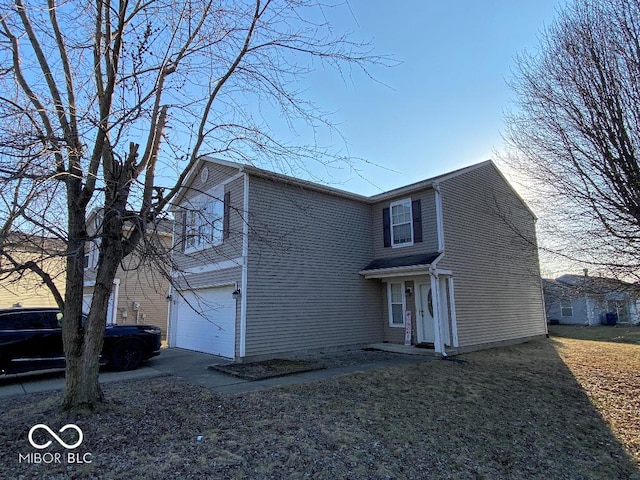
{"points": [[576, 284], [161, 226]]}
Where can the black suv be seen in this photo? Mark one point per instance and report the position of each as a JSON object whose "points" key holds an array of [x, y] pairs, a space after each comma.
{"points": [[31, 339]]}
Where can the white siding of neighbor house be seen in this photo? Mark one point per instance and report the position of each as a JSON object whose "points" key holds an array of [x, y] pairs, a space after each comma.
{"points": [[582, 309], [498, 295], [304, 290]]}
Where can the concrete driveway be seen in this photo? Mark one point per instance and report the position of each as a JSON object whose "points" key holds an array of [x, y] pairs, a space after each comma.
{"points": [[172, 361], [193, 367]]}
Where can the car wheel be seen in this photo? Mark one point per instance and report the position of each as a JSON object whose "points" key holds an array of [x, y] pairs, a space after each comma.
{"points": [[126, 355]]}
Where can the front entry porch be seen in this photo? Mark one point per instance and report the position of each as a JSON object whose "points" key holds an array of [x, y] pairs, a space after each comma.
{"points": [[419, 301]]}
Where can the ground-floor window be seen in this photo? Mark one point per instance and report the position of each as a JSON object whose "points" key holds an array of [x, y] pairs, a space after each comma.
{"points": [[566, 307], [396, 304]]}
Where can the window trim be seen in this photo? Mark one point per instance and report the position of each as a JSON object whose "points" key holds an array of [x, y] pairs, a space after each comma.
{"points": [[404, 201], [205, 231], [91, 257], [390, 304], [563, 308]]}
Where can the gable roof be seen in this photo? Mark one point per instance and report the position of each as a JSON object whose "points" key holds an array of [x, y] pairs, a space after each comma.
{"points": [[429, 182], [313, 186]]}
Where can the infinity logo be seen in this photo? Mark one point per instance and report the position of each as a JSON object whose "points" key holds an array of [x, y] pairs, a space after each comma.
{"points": [[53, 434]]}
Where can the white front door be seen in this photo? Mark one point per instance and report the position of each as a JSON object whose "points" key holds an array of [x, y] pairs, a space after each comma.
{"points": [[426, 330]]}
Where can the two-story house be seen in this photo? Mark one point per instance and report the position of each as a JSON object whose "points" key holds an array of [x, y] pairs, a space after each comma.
{"points": [[267, 264]]}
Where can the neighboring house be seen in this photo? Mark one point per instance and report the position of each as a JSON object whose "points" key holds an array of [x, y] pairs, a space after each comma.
{"points": [[140, 288], [27, 289], [268, 264], [586, 300]]}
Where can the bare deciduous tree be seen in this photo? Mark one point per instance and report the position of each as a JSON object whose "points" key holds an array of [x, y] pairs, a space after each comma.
{"points": [[102, 102], [575, 133]]}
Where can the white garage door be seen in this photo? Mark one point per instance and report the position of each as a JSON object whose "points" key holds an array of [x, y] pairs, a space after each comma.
{"points": [[206, 321]]}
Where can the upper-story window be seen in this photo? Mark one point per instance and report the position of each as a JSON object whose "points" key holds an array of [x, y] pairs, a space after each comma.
{"points": [[402, 223], [205, 221], [91, 256]]}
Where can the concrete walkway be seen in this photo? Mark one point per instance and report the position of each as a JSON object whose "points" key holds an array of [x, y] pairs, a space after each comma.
{"points": [[193, 367]]}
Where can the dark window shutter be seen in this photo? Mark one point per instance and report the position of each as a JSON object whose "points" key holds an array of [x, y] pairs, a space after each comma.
{"points": [[386, 223], [225, 219], [416, 208], [184, 230]]}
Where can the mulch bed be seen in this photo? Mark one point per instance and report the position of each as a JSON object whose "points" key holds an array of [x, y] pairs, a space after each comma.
{"points": [[278, 367]]}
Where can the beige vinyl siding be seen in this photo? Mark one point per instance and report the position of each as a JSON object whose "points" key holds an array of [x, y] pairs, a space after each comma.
{"points": [[429, 243], [28, 290], [146, 286], [141, 280], [494, 261], [304, 290], [230, 248]]}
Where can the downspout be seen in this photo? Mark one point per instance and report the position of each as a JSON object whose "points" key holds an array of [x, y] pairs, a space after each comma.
{"points": [[245, 261], [439, 218], [435, 284], [170, 326]]}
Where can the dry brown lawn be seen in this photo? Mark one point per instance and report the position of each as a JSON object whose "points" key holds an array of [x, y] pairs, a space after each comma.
{"points": [[621, 333], [551, 409]]}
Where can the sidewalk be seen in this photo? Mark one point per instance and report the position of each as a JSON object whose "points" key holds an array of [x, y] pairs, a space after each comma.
{"points": [[193, 367]]}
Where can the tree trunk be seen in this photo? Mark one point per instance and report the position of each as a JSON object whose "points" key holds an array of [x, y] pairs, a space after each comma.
{"points": [[81, 389], [82, 386]]}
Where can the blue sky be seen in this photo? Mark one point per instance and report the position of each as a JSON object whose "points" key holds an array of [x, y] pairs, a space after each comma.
{"points": [[444, 104]]}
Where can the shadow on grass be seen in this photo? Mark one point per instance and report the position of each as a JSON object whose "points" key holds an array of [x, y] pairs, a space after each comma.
{"points": [[519, 412], [509, 413]]}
